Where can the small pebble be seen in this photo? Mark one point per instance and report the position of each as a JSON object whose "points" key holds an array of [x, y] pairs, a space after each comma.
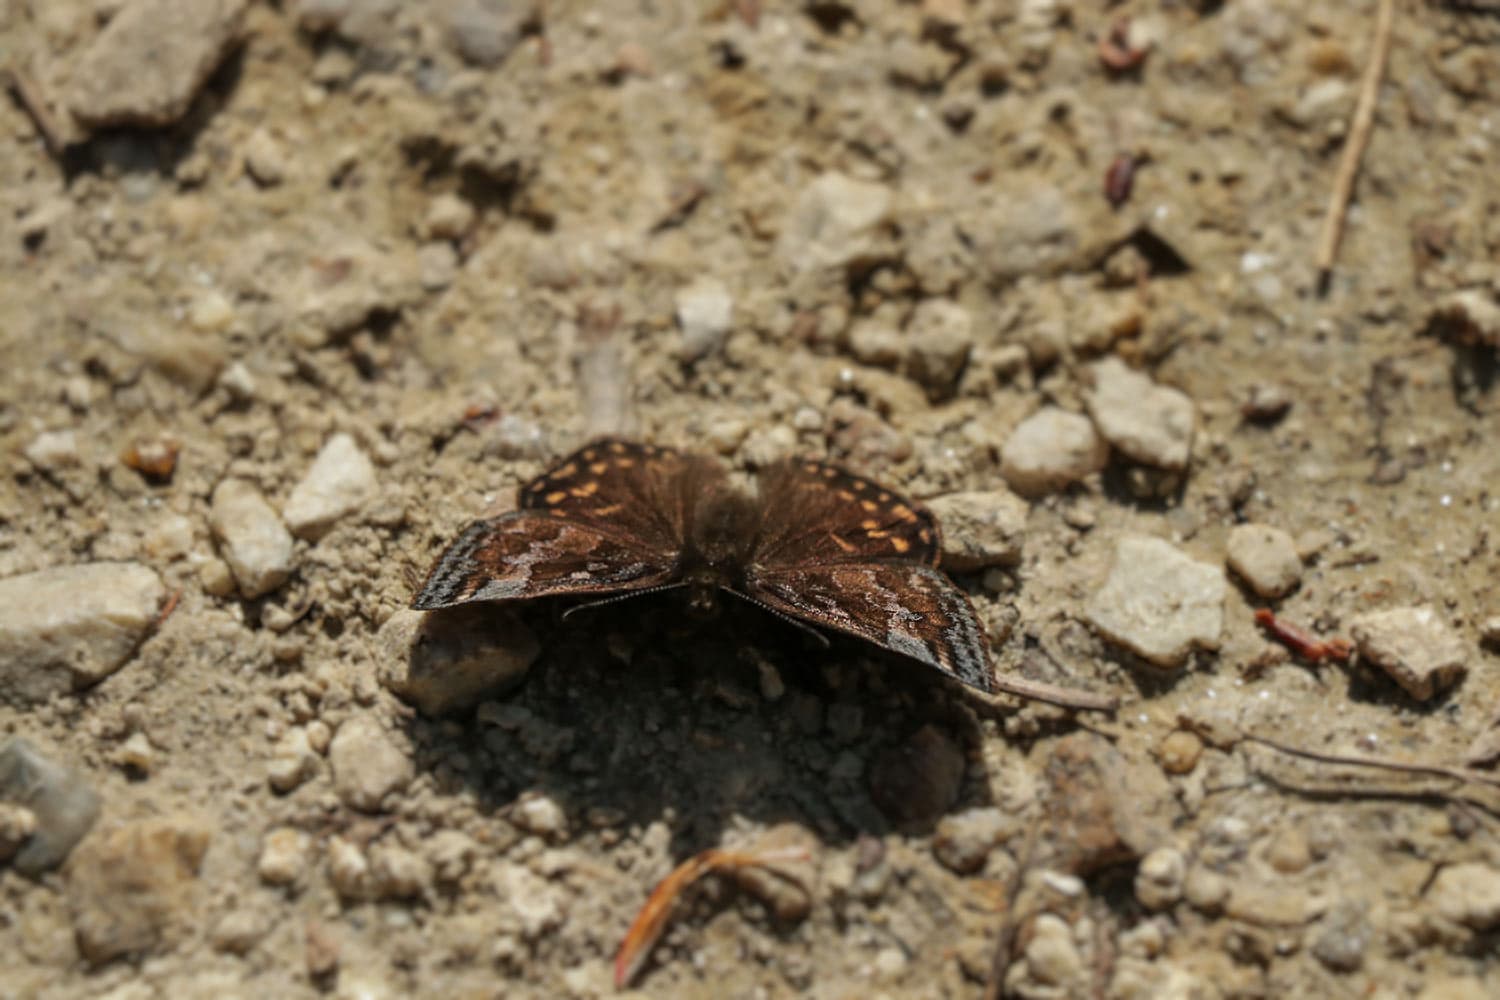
{"points": [[1052, 957], [448, 217], [136, 754], [52, 451], [981, 529], [284, 855], [1345, 937], [537, 904], [367, 764], [1414, 646], [963, 842], [541, 815], [833, 222], [705, 313], [483, 32], [1148, 423], [1489, 631], [62, 805], [1288, 852], [1265, 558], [1266, 404], [1158, 602], [349, 870], [17, 824], [939, 338], [1206, 890], [239, 931], [265, 158], [1159, 878], [452, 659], [1467, 893], [397, 873], [1179, 751], [253, 541], [292, 762], [339, 482], [1050, 449]]}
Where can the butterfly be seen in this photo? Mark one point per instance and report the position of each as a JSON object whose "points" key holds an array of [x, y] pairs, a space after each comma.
{"points": [[811, 542]]}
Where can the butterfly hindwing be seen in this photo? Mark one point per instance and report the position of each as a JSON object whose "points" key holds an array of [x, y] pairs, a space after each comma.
{"points": [[907, 608], [812, 512], [529, 554]]}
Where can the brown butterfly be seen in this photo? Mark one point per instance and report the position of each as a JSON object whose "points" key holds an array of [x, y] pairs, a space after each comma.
{"points": [[813, 543]]}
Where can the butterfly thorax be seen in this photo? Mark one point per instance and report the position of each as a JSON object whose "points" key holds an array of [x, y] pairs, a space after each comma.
{"points": [[716, 550]]}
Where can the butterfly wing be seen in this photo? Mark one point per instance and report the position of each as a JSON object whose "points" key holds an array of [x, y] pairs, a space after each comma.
{"points": [[532, 553], [812, 512], [905, 607], [639, 492]]}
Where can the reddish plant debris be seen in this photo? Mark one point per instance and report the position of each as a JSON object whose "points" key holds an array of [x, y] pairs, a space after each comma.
{"points": [[477, 415], [652, 919], [173, 599], [154, 460], [1115, 50], [1302, 642], [1119, 178]]}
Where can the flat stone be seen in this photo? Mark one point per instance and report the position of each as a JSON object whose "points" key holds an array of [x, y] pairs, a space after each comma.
{"points": [[981, 529], [253, 541], [963, 841], [1148, 423], [137, 73], [705, 313], [1158, 602], [836, 220], [1468, 893], [131, 889], [340, 481], [367, 764], [65, 628], [1414, 646], [62, 805], [1265, 558], [1051, 449], [448, 660]]}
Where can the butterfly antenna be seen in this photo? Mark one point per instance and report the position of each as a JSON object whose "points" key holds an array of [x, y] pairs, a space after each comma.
{"points": [[617, 598], [803, 627]]}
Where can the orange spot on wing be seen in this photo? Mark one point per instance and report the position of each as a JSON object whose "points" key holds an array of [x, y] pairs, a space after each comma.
{"points": [[556, 496], [900, 545], [587, 489], [598, 468], [840, 542], [565, 471], [869, 524]]}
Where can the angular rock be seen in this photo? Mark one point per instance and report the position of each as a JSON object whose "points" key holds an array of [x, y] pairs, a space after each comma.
{"points": [[834, 223], [284, 855], [1468, 893], [339, 482], [939, 338], [1050, 449], [1265, 558], [131, 889], [1414, 646], [1159, 878], [146, 66], [292, 762], [450, 659], [981, 529], [1158, 602], [705, 312], [1148, 423], [963, 842], [397, 873], [252, 538], [367, 764], [1101, 808], [62, 805], [483, 32], [1034, 228], [65, 628]]}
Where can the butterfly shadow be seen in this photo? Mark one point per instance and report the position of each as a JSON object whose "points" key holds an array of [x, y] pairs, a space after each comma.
{"points": [[632, 716]]}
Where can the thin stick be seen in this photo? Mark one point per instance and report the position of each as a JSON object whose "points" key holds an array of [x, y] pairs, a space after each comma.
{"points": [[1384, 763], [994, 987], [30, 96], [1050, 693], [1359, 137]]}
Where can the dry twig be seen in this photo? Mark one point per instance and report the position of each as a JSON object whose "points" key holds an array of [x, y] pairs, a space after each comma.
{"points": [[1359, 137], [35, 103], [1050, 693]]}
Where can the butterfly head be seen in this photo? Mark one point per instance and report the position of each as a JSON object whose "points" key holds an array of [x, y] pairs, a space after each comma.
{"points": [[702, 588]]}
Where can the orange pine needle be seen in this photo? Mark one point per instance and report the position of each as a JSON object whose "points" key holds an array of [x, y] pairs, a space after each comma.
{"points": [[649, 923]]}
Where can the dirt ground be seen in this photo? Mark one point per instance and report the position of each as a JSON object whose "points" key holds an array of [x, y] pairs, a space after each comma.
{"points": [[434, 247]]}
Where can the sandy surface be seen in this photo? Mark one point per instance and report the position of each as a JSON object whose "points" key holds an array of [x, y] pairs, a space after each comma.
{"points": [[459, 239]]}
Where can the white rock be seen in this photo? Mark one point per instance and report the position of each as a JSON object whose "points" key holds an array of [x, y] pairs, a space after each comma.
{"points": [[448, 217], [292, 762], [349, 870], [253, 541], [367, 764], [540, 814], [834, 222], [17, 824], [536, 903], [1265, 558], [1158, 602], [212, 312], [1052, 957], [53, 450], [1468, 893], [705, 312], [59, 799], [265, 159], [1050, 449], [981, 529], [1415, 646], [65, 628], [1149, 423], [136, 754], [1159, 878], [442, 663], [963, 841], [283, 856], [340, 481], [398, 873]]}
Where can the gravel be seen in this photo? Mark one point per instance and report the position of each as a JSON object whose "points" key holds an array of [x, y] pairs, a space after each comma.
{"points": [[1158, 602], [1414, 646], [252, 539], [1051, 449]]}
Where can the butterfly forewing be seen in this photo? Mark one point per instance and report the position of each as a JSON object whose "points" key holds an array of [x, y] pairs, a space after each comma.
{"points": [[905, 607], [529, 554], [631, 490], [817, 513]]}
